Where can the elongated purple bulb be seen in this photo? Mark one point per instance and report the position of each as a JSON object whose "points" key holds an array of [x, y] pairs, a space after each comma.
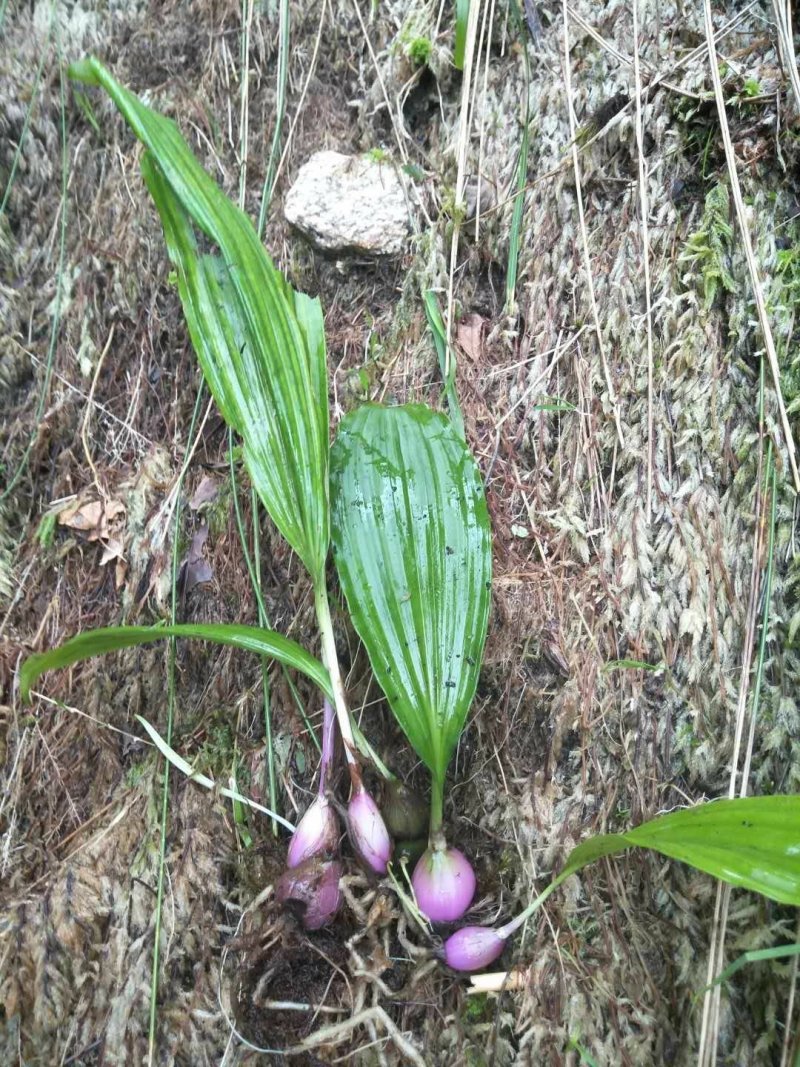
{"points": [[317, 834], [368, 834], [312, 890], [444, 884], [473, 947]]}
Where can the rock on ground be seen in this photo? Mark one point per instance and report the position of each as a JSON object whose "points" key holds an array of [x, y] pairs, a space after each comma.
{"points": [[349, 204]]}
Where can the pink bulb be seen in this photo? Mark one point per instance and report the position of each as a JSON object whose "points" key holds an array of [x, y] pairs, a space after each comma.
{"points": [[317, 834], [312, 891], [444, 884], [368, 834], [473, 947]]}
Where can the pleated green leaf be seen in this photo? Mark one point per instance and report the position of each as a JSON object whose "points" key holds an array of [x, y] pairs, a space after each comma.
{"points": [[99, 642], [412, 545], [752, 842], [260, 344]]}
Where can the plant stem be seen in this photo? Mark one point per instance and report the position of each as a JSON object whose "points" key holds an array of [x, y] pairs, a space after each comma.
{"points": [[437, 809], [511, 927], [331, 661], [328, 720]]}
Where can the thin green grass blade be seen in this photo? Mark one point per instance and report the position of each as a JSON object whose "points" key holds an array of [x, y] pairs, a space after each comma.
{"points": [[261, 345], [436, 325], [522, 168], [412, 546], [155, 971], [759, 955], [462, 17], [111, 639], [284, 36]]}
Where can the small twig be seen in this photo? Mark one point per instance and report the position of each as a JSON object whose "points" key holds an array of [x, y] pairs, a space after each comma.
{"points": [[244, 111], [787, 1036]]}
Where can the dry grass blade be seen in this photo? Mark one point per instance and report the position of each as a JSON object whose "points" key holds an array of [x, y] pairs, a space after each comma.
{"points": [[644, 208], [587, 262], [311, 69], [789, 1038], [783, 20], [752, 266]]}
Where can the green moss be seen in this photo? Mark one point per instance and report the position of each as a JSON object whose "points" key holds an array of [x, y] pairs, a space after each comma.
{"points": [[46, 531], [477, 1009], [708, 249], [419, 51]]}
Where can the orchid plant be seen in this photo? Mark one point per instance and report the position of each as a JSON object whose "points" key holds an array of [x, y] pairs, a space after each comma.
{"points": [[402, 497]]}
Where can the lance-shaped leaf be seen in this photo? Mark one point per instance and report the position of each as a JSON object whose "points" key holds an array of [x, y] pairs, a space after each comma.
{"points": [[260, 344], [99, 642], [752, 842], [412, 545]]}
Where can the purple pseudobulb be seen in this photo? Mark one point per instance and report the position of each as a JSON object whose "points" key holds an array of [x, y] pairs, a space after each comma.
{"points": [[444, 884], [368, 834]]}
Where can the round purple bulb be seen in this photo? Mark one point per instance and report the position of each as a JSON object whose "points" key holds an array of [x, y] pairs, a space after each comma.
{"points": [[312, 890], [473, 947], [444, 884]]}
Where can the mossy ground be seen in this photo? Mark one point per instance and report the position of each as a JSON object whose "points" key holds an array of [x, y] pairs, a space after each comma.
{"points": [[565, 737]]}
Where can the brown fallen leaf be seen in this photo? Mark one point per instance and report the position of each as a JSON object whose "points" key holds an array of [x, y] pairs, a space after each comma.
{"points": [[469, 335], [94, 518], [195, 568], [205, 493]]}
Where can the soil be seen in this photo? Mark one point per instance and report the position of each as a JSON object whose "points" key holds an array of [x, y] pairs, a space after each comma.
{"points": [[629, 500]]}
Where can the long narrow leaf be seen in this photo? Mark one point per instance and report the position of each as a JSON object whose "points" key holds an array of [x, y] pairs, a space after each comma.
{"points": [[755, 955], [413, 548], [260, 344], [750, 842], [99, 642]]}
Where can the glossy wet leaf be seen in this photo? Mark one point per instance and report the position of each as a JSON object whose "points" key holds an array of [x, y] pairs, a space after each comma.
{"points": [[260, 344], [413, 549], [99, 642], [752, 842]]}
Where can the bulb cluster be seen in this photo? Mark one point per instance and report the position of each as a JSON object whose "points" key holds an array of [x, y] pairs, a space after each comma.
{"points": [[443, 880], [310, 885]]}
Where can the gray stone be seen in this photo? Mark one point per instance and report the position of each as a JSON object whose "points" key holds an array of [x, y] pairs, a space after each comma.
{"points": [[349, 204]]}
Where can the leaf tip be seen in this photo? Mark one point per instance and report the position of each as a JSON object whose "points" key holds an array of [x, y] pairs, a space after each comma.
{"points": [[85, 71]]}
